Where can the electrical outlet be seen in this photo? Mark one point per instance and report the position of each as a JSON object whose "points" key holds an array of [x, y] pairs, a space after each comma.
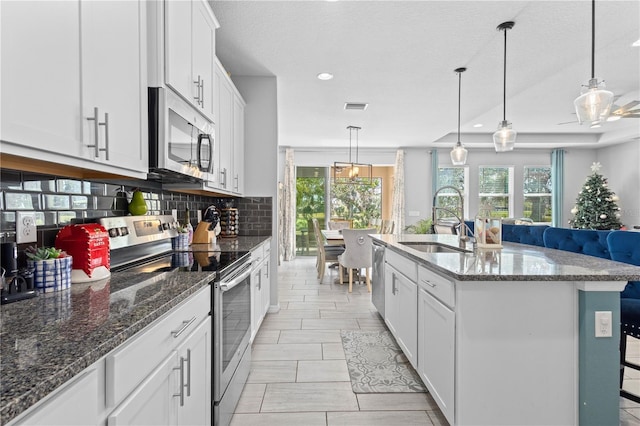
{"points": [[603, 324], [26, 227]]}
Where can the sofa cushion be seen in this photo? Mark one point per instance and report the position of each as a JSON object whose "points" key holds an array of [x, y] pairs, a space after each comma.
{"points": [[583, 241]]}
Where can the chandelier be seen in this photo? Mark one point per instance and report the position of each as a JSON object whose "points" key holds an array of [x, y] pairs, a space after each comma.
{"points": [[352, 172]]}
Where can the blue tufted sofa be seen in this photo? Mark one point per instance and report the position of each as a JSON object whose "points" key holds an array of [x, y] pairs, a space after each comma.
{"points": [[583, 241], [625, 247], [523, 234]]}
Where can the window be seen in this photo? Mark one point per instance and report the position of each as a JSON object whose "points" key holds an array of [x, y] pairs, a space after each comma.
{"points": [[447, 198], [495, 187], [537, 193], [358, 202]]}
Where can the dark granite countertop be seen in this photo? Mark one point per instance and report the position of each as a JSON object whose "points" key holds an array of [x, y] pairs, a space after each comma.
{"points": [[47, 340], [513, 262]]}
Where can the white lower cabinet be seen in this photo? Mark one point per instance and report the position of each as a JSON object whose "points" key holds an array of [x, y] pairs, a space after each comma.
{"points": [[75, 403], [178, 389], [436, 351], [260, 286], [401, 308]]}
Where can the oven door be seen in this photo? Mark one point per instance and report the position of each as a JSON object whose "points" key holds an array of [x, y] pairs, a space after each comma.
{"points": [[180, 139], [231, 326]]}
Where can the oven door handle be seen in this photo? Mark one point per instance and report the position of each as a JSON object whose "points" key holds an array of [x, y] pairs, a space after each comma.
{"points": [[226, 286]]}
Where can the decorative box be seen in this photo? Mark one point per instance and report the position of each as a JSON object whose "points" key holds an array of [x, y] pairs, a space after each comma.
{"points": [[488, 232]]}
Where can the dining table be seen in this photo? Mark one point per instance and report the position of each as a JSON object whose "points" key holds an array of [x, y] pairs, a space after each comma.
{"points": [[333, 236]]}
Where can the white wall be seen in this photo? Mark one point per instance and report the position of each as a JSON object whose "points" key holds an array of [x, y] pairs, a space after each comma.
{"points": [[621, 166], [417, 185], [326, 157], [261, 167]]}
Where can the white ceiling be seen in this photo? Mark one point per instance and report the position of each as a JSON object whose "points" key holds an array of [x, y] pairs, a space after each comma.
{"points": [[399, 57]]}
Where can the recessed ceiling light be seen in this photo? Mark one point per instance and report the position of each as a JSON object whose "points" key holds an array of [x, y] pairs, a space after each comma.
{"points": [[325, 76], [478, 125], [636, 43]]}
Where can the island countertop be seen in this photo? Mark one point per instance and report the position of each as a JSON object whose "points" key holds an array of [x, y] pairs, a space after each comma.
{"points": [[513, 262]]}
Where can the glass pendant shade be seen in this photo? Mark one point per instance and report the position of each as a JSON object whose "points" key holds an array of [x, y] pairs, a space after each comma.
{"points": [[504, 138], [458, 155], [593, 106]]}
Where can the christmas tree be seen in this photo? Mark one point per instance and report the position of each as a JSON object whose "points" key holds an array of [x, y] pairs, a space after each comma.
{"points": [[596, 206]]}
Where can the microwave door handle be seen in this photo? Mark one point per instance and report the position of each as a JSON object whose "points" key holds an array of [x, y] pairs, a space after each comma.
{"points": [[202, 136]]}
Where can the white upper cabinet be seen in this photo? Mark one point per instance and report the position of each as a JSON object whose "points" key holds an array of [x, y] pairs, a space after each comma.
{"points": [[190, 28], [65, 63], [238, 146]]}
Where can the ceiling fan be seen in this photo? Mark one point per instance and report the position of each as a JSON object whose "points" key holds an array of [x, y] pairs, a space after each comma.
{"points": [[625, 111]]}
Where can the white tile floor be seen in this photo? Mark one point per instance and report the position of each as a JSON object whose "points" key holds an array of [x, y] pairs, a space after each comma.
{"points": [[299, 374]]}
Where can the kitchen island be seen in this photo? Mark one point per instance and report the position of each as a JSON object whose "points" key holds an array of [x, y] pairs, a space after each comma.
{"points": [[507, 336]]}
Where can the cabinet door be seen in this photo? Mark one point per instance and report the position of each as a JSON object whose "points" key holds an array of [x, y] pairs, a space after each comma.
{"points": [[238, 146], [436, 351], [266, 285], [224, 129], [114, 81], [178, 48], [195, 361], [407, 318], [153, 402], [40, 68], [75, 403], [390, 300], [256, 300], [203, 42]]}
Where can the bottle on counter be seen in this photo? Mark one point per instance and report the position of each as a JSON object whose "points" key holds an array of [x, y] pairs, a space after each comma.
{"points": [[189, 227]]}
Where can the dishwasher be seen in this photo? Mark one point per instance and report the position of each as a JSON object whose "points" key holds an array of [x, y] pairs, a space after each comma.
{"points": [[377, 291]]}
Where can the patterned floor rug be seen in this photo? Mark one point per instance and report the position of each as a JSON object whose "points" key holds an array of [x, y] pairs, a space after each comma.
{"points": [[377, 365]]}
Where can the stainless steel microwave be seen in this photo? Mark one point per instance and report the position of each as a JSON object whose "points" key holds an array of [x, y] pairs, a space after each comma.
{"points": [[181, 140]]}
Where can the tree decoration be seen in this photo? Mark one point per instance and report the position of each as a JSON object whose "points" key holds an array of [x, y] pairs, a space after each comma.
{"points": [[596, 206]]}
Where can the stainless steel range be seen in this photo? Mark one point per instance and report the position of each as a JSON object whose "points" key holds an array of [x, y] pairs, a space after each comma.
{"points": [[144, 242]]}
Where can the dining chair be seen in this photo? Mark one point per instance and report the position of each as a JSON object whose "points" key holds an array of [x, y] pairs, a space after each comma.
{"points": [[357, 254], [326, 252]]}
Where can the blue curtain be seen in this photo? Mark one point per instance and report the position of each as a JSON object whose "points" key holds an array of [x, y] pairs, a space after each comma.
{"points": [[434, 171], [557, 182]]}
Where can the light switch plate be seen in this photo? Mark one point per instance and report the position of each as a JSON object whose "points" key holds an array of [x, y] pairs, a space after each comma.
{"points": [[26, 227]]}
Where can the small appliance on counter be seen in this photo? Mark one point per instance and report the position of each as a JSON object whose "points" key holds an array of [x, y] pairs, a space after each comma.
{"points": [[15, 284], [88, 244]]}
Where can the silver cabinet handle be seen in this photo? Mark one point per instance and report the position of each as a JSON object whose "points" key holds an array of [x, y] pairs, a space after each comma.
{"points": [[188, 385], [185, 325], [181, 394], [237, 180], [197, 83], [429, 283], [394, 288], [267, 273], [201, 90], [223, 173], [105, 123], [95, 131]]}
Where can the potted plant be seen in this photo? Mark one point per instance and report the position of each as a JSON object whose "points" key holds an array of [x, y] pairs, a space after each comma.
{"points": [[51, 268], [423, 226]]}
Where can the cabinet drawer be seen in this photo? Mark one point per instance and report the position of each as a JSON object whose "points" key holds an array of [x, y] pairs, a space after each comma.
{"points": [[128, 365], [436, 285], [407, 266]]}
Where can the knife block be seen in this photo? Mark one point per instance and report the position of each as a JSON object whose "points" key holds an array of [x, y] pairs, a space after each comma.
{"points": [[202, 234]]}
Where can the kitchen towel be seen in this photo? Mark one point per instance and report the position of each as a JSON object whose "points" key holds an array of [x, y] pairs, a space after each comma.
{"points": [[377, 365]]}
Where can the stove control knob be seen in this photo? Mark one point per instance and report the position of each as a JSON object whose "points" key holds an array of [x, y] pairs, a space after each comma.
{"points": [[114, 232], [124, 231], [165, 226]]}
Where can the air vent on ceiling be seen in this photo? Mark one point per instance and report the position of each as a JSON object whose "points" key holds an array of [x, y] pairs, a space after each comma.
{"points": [[355, 106]]}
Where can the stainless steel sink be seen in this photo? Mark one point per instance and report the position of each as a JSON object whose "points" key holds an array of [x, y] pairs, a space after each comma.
{"points": [[433, 247]]}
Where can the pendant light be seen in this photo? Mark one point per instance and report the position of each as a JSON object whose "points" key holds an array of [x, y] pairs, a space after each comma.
{"points": [[505, 137], [594, 104], [459, 153], [352, 172]]}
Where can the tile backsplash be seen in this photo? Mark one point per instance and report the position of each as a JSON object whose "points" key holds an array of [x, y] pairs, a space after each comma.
{"points": [[59, 201]]}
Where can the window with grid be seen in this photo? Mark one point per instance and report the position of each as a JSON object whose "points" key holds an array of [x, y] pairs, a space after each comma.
{"points": [[495, 187], [448, 198], [537, 193]]}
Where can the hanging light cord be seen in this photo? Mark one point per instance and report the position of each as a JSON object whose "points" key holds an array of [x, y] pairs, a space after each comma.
{"points": [[459, 90], [593, 38], [504, 85]]}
